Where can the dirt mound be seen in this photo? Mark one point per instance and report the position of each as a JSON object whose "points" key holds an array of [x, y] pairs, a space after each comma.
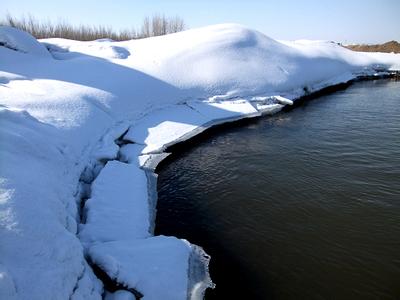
{"points": [[391, 46]]}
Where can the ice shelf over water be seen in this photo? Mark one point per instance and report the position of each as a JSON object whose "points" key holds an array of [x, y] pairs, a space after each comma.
{"points": [[83, 126]]}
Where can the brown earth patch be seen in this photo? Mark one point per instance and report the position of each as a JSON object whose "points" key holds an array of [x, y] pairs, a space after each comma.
{"points": [[388, 47]]}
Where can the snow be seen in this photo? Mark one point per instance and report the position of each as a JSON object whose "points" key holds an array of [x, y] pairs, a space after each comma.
{"points": [[118, 208], [66, 120], [21, 41], [178, 123], [37, 212], [130, 153], [136, 263], [225, 111], [104, 48], [164, 127], [119, 295], [283, 100]]}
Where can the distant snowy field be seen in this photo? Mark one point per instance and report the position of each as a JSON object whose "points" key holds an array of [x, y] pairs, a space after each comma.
{"points": [[82, 127]]}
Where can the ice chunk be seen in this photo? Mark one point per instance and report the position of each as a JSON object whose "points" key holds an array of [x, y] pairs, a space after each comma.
{"points": [[157, 267], [118, 208], [268, 109], [283, 100], [199, 277]]}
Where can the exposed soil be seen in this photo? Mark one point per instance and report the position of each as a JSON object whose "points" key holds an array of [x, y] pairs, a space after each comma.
{"points": [[388, 47]]}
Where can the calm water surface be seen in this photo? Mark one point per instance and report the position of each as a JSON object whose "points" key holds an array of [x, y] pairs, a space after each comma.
{"points": [[301, 205]]}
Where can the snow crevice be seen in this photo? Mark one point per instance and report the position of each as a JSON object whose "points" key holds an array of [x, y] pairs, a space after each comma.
{"points": [[110, 284], [80, 276], [118, 192]]}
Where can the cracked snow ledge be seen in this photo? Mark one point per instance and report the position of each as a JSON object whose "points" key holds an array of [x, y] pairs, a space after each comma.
{"points": [[119, 203]]}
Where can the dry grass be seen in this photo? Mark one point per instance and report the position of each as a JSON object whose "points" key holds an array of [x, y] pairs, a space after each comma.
{"points": [[388, 47], [154, 26]]}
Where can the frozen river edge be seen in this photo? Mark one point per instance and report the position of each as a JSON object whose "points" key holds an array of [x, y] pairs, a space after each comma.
{"points": [[142, 146]]}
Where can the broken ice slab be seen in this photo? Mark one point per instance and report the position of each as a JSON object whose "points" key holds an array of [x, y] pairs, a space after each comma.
{"points": [[118, 207], [158, 267], [224, 111], [283, 100], [268, 109], [165, 127]]}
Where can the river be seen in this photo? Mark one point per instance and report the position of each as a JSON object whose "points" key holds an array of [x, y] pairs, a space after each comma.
{"points": [[304, 204]]}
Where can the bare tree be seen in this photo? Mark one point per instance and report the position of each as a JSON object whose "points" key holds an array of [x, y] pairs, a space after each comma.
{"points": [[154, 26], [146, 28], [159, 25], [176, 24]]}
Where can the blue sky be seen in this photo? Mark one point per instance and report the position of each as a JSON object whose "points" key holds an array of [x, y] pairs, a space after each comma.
{"points": [[348, 21]]}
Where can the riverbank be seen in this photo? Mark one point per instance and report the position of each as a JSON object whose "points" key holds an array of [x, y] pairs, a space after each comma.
{"points": [[84, 126]]}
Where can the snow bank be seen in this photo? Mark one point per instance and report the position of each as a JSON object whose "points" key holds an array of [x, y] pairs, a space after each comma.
{"points": [[105, 48], [17, 40], [39, 248], [65, 115]]}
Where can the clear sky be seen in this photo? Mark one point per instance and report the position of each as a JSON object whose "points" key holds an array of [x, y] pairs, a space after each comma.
{"points": [[368, 21]]}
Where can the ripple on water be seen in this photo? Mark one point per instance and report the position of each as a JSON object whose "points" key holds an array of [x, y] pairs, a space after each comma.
{"points": [[301, 205]]}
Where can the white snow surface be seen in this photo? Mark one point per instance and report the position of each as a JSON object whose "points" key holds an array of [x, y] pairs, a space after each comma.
{"points": [[118, 208], [119, 295], [137, 263], [21, 41], [156, 132], [61, 113]]}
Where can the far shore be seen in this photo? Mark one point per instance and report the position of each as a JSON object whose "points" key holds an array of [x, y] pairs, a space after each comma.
{"points": [[388, 47]]}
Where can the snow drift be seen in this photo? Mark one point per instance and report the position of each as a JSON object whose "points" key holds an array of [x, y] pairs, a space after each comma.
{"points": [[83, 125]]}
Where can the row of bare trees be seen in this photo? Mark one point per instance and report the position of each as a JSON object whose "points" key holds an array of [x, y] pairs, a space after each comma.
{"points": [[151, 26], [160, 25]]}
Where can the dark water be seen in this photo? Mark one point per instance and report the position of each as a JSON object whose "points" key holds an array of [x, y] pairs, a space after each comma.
{"points": [[301, 205]]}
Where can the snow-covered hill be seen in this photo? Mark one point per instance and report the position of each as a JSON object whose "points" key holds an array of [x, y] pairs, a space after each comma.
{"points": [[83, 126]]}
